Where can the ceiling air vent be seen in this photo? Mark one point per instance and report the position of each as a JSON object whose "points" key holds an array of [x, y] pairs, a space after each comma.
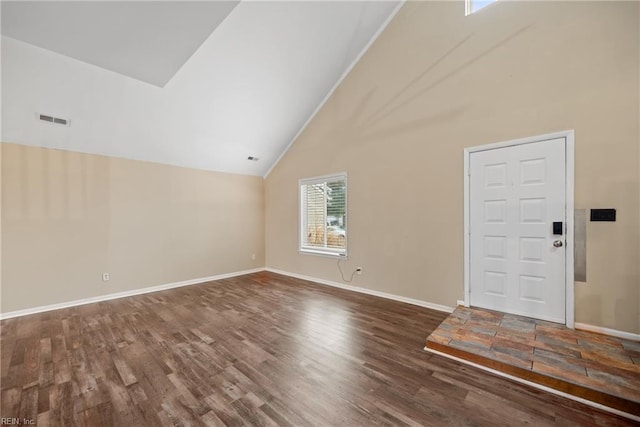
{"points": [[253, 159], [51, 119]]}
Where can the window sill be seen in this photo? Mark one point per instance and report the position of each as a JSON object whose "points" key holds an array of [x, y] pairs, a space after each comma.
{"points": [[342, 255]]}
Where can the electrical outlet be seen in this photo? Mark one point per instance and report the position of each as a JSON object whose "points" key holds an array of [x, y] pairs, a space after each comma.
{"points": [[253, 257], [359, 270], [105, 277]]}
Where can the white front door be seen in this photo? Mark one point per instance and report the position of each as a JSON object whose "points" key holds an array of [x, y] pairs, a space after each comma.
{"points": [[517, 263]]}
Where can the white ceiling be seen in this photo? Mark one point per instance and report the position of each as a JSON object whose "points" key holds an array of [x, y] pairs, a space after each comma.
{"points": [[148, 41], [246, 91]]}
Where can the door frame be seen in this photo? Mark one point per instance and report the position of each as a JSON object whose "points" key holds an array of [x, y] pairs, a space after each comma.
{"points": [[568, 135]]}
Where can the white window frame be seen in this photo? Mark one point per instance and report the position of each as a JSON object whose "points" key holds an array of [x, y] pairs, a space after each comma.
{"points": [[313, 250]]}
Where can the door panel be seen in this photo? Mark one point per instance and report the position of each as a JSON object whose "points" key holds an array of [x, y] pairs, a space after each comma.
{"points": [[516, 193]]}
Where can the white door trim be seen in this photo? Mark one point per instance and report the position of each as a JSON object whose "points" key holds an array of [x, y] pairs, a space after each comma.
{"points": [[569, 148]]}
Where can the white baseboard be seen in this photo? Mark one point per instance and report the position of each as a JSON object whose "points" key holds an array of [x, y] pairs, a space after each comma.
{"points": [[107, 297], [420, 303], [460, 302], [536, 385], [606, 331]]}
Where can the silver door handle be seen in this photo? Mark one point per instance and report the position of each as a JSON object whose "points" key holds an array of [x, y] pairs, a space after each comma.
{"points": [[557, 243]]}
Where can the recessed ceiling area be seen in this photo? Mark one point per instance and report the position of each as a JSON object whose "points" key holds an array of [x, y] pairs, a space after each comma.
{"points": [[148, 41], [260, 72]]}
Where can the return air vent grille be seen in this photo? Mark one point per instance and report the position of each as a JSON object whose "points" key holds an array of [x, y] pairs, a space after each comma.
{"points": [[51, 119]]}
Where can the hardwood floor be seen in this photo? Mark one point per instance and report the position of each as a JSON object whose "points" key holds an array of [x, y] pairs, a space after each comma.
{"points": [[261, 349]]}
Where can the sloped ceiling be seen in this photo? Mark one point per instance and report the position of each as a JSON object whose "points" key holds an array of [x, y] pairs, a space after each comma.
{"points": [[195, 84], [148, 41]]}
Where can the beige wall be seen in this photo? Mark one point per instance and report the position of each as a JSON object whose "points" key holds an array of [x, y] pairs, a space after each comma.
{"points": [[68, 217], [436, 82]]}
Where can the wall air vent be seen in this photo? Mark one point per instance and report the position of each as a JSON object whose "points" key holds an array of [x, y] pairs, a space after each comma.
{"points": [[51, 119]]}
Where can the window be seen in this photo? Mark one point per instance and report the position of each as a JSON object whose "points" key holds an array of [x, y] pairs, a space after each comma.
{"points": [[323, 215], [472, 6]]}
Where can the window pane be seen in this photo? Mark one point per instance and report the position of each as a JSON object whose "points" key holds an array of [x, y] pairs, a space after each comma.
{"points": [[476, 5], [314, 214], [336, 213], [323, 210]]}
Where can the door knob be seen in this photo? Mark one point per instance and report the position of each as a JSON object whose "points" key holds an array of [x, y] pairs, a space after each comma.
{"points": [[557, 243]]}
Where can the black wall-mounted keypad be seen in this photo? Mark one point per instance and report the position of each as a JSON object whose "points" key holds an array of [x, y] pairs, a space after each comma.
{"points": [[603, 214]]}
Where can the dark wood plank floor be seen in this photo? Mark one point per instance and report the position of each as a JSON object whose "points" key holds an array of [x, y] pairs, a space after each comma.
{"points": [[261, 349]]}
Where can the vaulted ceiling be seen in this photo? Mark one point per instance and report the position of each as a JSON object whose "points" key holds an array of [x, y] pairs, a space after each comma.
{"points": [[195, 84]]}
